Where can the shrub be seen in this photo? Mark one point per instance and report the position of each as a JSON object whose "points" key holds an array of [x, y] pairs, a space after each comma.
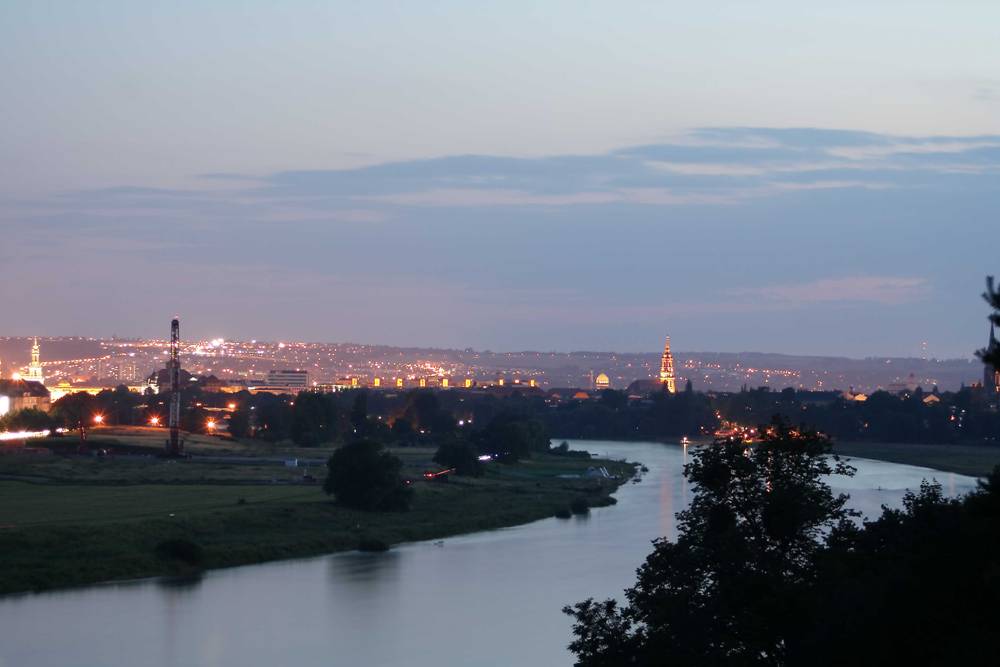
{"points": [[579, 505], [372, 544], [181, 551]]}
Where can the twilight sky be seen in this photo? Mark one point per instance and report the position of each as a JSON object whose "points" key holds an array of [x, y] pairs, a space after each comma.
{"points": [[770, 176]]}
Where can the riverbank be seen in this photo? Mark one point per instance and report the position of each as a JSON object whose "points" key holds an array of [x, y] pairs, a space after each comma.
{"points": [[74, 521], [972, 460]]}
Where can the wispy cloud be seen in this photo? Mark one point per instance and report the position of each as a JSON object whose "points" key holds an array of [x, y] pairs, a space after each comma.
{"points": [[888, 290], [710, 166]]}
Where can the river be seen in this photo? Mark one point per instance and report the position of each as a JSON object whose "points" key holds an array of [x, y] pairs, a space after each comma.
{"points": [[490, 598]]}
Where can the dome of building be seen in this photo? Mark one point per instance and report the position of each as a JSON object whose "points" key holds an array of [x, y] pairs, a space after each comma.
{"points": [[602, 381]]}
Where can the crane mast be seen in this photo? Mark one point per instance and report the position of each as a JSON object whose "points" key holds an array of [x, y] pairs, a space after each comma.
{"points": [[174, 447]]}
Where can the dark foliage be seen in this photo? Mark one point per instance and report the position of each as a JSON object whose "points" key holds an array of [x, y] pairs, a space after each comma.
{"points": [[372, 544], [363, 476], [579, 505], [728, 590], [992, 297], [460, 455], [314, 419], [511, 437], [28, 419], [767, 569], [181, 551]]}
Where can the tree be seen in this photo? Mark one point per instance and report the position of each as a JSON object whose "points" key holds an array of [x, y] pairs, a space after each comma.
{"points": [[992, 297], [239, 423], [359, 413], [511, 438], [363, 476], [314, 419], [28, 419], [728, 591], [460, 455], [918, 585], [75, 411]]}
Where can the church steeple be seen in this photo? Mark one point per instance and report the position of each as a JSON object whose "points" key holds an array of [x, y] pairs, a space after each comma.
{"points": [[35, 373], [667, 369]]}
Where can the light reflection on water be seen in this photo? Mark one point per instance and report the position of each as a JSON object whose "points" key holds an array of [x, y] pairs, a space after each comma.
{"points": [[484, 599]]}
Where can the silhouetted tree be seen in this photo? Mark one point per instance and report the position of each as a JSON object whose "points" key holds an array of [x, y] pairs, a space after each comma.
{"points": [[509, 437], [992, 297], [363, 476], [460, 455], [239, 422], [728, 591], [75, 411], [359, 413], [28, 419], [314, 419]]}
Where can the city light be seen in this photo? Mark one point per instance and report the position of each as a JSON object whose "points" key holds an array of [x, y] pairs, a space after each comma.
{"points": [[23, 435], [98, 419], [210, 424], [154, 421]]}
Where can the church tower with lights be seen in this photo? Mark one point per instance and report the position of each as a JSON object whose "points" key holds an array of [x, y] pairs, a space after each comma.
{"points": [[35, 373], [667, 378]]}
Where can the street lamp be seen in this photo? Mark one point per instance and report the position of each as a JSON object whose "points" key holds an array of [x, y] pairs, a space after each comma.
{"points": [[211, 425], [98, 419], [154, 421]]}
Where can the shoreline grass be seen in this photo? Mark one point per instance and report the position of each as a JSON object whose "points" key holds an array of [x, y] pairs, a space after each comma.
{"points": [[72, 522]]}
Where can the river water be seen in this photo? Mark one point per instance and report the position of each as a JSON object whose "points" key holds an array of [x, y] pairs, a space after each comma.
{"points": [[490, 598]]}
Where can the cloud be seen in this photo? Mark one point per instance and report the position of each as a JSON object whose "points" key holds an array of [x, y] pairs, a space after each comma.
{"points": [[704, 167], [887, 290]]}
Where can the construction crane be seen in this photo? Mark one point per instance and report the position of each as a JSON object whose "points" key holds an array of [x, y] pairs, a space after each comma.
{"points": [[174, 447]]}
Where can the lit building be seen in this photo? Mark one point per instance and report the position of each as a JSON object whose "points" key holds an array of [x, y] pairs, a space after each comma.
{"points": [[35, 373], [287, 378], [21, 394], [602, 381], [65, 388], [667, 378], [991, 373]]}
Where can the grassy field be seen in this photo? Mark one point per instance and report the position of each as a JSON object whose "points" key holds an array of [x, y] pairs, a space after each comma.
{"points": [[71, 521], [974, 460]]}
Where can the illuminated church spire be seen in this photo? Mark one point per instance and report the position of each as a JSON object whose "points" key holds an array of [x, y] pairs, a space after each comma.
{"points": [[667, 378], [35, 373]]}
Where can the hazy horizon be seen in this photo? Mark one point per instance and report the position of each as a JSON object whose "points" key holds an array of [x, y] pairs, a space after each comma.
{"points": [[462, 348]]}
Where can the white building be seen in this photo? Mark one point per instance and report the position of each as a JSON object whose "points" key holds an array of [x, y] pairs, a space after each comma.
{"points": [[287, 378]]}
